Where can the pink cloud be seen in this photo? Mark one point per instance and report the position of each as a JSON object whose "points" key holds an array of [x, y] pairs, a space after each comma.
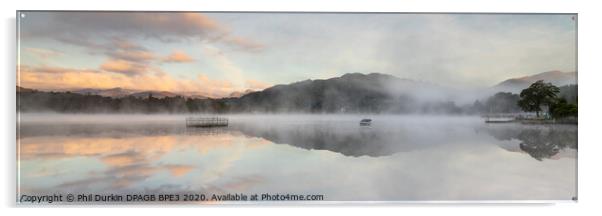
{"points": [[124, 67], [123, 74], [178, 57]]}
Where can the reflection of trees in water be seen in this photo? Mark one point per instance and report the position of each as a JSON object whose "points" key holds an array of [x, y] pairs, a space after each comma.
{"points": [[207, 130], [351, 139], [545, 144], [539, 142], [348, 140]]}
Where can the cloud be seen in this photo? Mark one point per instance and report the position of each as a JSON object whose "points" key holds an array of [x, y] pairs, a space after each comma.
{"points": [[132, 55], [256, 84], [53, 70], [464, 50], [451, 49], [178, 57], [123, 39], [163, 26], [43, 53], [84, 28], [127, 57], [126, 44], [244, 43], [124, 74], [125, 67], [223, 63]]}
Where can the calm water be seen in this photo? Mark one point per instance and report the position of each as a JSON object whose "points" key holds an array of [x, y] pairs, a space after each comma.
{"points": [[398, 158]]}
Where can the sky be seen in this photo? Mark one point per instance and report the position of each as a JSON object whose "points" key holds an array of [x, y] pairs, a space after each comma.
{"points": [[215, 54]]}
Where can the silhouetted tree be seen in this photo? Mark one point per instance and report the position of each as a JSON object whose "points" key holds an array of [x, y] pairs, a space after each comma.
{"points": [[537, 95]]}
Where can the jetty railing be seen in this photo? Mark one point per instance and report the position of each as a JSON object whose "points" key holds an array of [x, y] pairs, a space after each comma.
{"points": [[510, 117], [527, 118], [206, 122]]}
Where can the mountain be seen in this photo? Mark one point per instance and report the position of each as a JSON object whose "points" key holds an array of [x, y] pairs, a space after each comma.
{"points": [[350, 93], [155, 94], [557, 78], [193, 95], [113, 92], [22, 90], [354, 92], [238, 94], [121, 92]]}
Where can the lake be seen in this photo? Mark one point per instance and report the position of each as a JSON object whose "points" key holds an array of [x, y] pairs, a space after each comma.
{"points": [[397, 158]]}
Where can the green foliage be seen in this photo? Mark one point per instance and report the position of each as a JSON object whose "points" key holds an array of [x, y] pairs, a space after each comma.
{"points": [[77, 103], [537, 95], [562, 109]]}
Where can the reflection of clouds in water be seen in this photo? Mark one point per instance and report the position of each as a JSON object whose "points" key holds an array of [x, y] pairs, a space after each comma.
{"points": [[444, 173], [408, 159], [122, 159], [221, 165], [125, 149], [242, 183], [179, 170], [132, 160], [84, 183]]}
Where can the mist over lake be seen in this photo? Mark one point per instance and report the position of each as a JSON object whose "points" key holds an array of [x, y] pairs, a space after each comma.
{"points": [[396, 158], [313, 107]]}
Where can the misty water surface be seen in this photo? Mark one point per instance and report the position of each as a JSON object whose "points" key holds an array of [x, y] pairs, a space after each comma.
{"points": [[398, 158]]}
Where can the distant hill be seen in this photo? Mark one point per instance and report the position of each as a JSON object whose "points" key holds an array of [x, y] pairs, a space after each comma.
{"points": [[558, 78], [353, 92], [238, 94], [21, 89], [155, 94], [193, 95], [121, 92], [350, 93], [113, 92]]}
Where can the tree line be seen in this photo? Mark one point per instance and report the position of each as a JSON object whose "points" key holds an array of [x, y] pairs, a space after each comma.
{"points": [[561, 101]]}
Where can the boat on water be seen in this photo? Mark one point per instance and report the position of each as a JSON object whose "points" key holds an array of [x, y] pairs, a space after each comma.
{"points": [[365, 122]]}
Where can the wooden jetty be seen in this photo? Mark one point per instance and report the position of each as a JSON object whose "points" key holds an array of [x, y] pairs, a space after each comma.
{"points": [[206, 122], [500, 118], [525, 118]]}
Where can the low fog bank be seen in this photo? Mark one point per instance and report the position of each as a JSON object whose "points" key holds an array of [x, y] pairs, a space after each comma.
{"points": [[343, 134], [50, 117], [101, 118], [387, 135], [41, 124]]}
